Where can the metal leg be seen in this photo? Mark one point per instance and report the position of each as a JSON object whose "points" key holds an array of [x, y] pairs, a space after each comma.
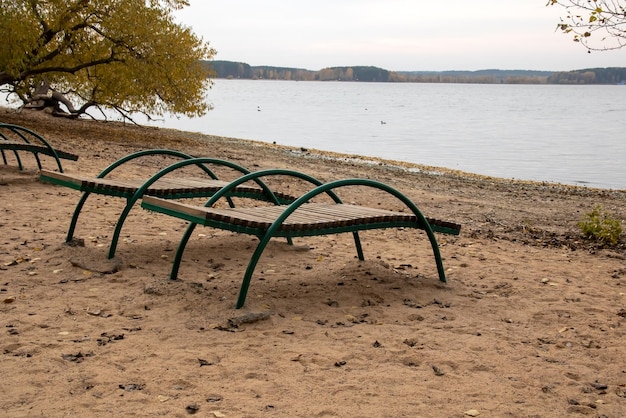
{"points": [[245, 284], [79, 207], [179, 252]]}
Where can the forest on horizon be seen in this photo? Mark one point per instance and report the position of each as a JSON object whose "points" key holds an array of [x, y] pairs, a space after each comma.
{"points": [[240, 70]]}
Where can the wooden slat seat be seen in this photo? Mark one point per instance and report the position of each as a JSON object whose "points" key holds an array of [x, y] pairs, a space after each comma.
{"points": [[300, 218], [167, 187], [16, 138], [34, 148], [309, 218]]}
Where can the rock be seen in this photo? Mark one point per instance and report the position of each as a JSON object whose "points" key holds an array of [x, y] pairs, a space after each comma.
{"points": [[438, 371], [192, 409]]}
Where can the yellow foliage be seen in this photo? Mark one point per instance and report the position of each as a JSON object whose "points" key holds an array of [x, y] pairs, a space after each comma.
{"points": [[125, 54]]}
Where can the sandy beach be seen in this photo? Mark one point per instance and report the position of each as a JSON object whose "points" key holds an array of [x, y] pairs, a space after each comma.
{"points": [[532, 321]]}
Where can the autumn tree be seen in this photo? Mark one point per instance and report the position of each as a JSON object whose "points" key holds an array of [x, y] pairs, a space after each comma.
{"points": [[599, 25], [126, 55]]}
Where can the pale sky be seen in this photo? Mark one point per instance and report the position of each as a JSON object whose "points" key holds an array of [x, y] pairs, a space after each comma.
{"points": [[397, 35]]}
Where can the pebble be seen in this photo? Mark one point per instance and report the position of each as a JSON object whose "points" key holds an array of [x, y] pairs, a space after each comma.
{"points": [[438, 371], [192, 409]]}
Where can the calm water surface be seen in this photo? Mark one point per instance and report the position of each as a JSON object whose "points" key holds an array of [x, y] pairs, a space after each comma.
{"points": [[565, 134]]}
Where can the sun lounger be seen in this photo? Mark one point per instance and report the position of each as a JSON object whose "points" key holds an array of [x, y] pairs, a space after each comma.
{"points": [[16, 138], [299, 218], [157, 185]]}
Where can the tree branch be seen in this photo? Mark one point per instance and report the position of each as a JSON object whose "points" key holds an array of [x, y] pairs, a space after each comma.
{"points": [[70, 70]]}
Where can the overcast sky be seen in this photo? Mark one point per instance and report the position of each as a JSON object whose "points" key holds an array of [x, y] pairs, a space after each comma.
{"points": [[393, 34]]}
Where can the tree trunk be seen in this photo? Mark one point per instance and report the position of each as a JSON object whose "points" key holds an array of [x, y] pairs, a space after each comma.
{"points": [[46, 99]]}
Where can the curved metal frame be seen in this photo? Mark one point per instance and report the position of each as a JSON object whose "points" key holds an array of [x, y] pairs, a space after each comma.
{"points": [[326, 188], [200, 162], [19, 131], [320, 188], [109, 169]]}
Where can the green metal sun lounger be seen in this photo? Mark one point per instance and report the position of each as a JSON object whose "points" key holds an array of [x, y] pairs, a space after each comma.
{"points": [[16, 138], [299, 218], [157, 185]]}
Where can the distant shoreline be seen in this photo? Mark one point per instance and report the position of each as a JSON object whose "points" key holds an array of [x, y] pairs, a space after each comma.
{"points": [[241, 70]]}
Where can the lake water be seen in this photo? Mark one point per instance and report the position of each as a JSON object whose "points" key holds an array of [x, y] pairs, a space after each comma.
{"points": [[565, 134]]}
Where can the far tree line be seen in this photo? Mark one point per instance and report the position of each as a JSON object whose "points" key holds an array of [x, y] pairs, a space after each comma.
{"points": [[240, 70]]}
